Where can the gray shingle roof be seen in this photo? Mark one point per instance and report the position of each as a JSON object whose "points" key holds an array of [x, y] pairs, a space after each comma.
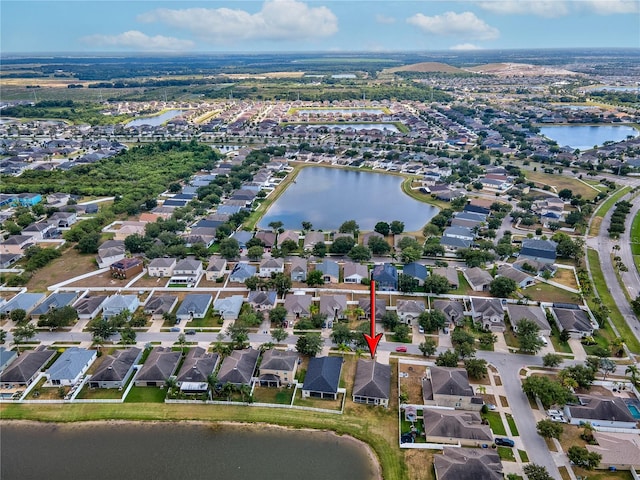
{"points": [[238, 367], [26, 366], [115, 366], [595, 407], [160, 365], [450, 381], [456, 424], [468, 464], [197, 365], [279, 360], [323, 374], [69, 365], [195, 303], [55, 300], [372, 380]]}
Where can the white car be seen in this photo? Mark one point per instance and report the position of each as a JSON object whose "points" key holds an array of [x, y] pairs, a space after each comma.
{"points": [[420, 329]]}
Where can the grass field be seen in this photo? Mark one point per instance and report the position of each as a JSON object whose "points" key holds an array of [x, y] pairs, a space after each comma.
{"points": [[146, 395], [69, 265], [506, 454], [635, 241], [544, 292], [495, 422], [561, 182]]}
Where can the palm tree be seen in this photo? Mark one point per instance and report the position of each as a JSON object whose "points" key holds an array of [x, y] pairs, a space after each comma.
{"points": [[634, 373], [212, 380], [227, 390]]}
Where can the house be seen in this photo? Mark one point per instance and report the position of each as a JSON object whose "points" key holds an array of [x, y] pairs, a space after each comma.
{"points": [[453, 311], [216, 268], [109, 252], [311, 238], [533, 313], [271, 266], [468, 464], [160, 365], [238, 367], [372, 385], [229, 307], [488, 313], [385, 276], [619, 451], [449, 387], [298, 269], [6, 357], [354, 272], [241, 272], [90, 306], [453, 243], [267, 238], [261, 300], [278, 368], [455, 426], [197, 366], [417, 271], [323, 378], [298, 306], [126, 268], [333, 306], [478, 278], [29, 199], [55, 300], [159, 304], [115, 369], [187, 271], [450, 273], [25, 368], [409, 310], [573, 319], [129, 228], [8, 259], [194, 305], [365, 305], [543, 251], [69, 368], [16, 244], [330, 271], [522, 279], [25, 301], [369, 235], [242, 237], [288, 235], [534, 267], [161, 267], [40, 230], [462, 233], [119, 303], [600, 411]]}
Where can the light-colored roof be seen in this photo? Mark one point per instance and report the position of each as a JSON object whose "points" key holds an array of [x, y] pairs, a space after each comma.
{"points": [[69, 365], [617, 448], [477, 276]]}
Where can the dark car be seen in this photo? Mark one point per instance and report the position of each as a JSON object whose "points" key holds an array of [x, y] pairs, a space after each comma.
{"points": [[505, 442], [190, 332], [174, 329]]}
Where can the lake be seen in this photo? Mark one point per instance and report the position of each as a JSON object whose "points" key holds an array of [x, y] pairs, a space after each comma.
{"points": [[155, 120], [390, 127], [585, 137], [327, 197], [374, 111], [122, 451]]}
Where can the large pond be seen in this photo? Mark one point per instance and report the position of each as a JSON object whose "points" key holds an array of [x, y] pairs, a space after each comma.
{"points": [[121, 451], [374, 111], [390, 127], [155, 120], [585, 137], [327, 197]]}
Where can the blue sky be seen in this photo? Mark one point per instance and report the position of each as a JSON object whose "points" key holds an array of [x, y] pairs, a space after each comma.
{"points": [[299, 25]]}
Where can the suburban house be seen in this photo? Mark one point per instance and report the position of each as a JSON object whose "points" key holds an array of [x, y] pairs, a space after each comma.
{"points": [[262, 300], [288, 235], [119, 303], [238, 367], [311, 238], [417, 271], [478, 278], [271, 266], [452, 244], [53, 301], [90, 306], [386, 277], [330, 271], [453, 311], [529, 312], [8, 259], [63, 219], [278, 368], [16, 244], [196, 368], [129, 228], [161, 267], [267, 238], [109, 252], [229, 307], [333, 306], [463, 233], [126, 268], [160, 365], [40, 230], [323, 378], [194, 305], [241, 272], [450, 273], [242, 237], [574, 320], [354, 272], [187, 271], [25, 368], [455, 426], [25, 301], [372, 385], [449, 387], [159, 304], [115, 369], [488, 313], [369, 235], [600, 411], [365, 305], [468, 463], [534, 267], [521, 278], [69, 368], [216, 268], [409, 310], [6, 357], [298, 306], [543, 251], [618, 450], [298, 269]]}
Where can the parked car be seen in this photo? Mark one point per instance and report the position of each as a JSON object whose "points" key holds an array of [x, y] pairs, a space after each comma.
{"points": [[420, 329], [505, 442], [174, 329], [401, 349], [190, 332], [491, 406]]}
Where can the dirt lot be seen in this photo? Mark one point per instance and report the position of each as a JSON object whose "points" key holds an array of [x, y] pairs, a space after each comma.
{"points": [[147, 281], [412, 382], [566, 277], [102, 280], [69, 265]]}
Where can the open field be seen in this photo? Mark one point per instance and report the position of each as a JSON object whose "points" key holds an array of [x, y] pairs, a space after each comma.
{"points": [[559, 182], [70, 265], [566, 277], [543, 292]]}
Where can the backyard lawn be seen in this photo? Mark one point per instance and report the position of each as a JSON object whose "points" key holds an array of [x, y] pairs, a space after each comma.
{"points": [[146, 395], [495, 422]]}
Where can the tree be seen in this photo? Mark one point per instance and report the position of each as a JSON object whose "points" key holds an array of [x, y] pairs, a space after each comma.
{"points": [[633, 372], [238, 333], [255, 253], [396, 227], [432, 321], [382, 228], [502, 287], [359, 253], [536, 472], [278, 315], [319, 249], [288, 246], [349, 226], [407, 283], [307, 225], [463, 343], [253, 283], [582, 457], [11, 228], [102, 328], [447, 359], [436, 284], [279, 334], [565, 194], [128, 335], [341, 333], [549, 429], [58, 317], [606, 366], [487, 339], [583, 376], [548, 391], [18, 315], [281, 283], [275, 225], [309, 344], [315, 278], [476, 368], [342, 245], [3, 336], [410, 254], [23, 333], [390, 320], [89, 243], [529, 336], [564, 336], [401, 333], [378, 246], [229, 248], [428, 347], [552, 360]]}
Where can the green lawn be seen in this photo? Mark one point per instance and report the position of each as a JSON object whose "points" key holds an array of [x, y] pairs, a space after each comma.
{"points": [[463, 286], [611, 201], [558, 346], [146, 395], [635, 235], [543, 292], [280, 396], [210, 320], [495, 422], [506, 454], [512, 425], [523, 456]]}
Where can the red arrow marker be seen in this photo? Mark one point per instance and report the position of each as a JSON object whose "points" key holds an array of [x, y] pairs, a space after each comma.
{"points": [[373, 339]]}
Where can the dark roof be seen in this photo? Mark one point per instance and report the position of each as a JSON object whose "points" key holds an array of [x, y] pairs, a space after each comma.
{"points": [[88, 304], [55, 300], [416, 270], [160, 303], [279, 360], [26, 366], [539, 248], [238, 367], [126, 263], [573, 319], [114, 367], [595, 407], [450, 381], [323, 374], [160, 365], [468, 464], [197, 366], [456, 424], [372, 380]]}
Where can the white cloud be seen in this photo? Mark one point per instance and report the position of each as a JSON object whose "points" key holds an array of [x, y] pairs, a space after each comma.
{"points": [[277, 20], [137, 40], [384, 19], [463, 25], [540, 8], [611, 7], [466, 46]]}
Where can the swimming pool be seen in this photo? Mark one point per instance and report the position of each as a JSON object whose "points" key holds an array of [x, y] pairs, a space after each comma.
{"points": [[633, 406]]}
